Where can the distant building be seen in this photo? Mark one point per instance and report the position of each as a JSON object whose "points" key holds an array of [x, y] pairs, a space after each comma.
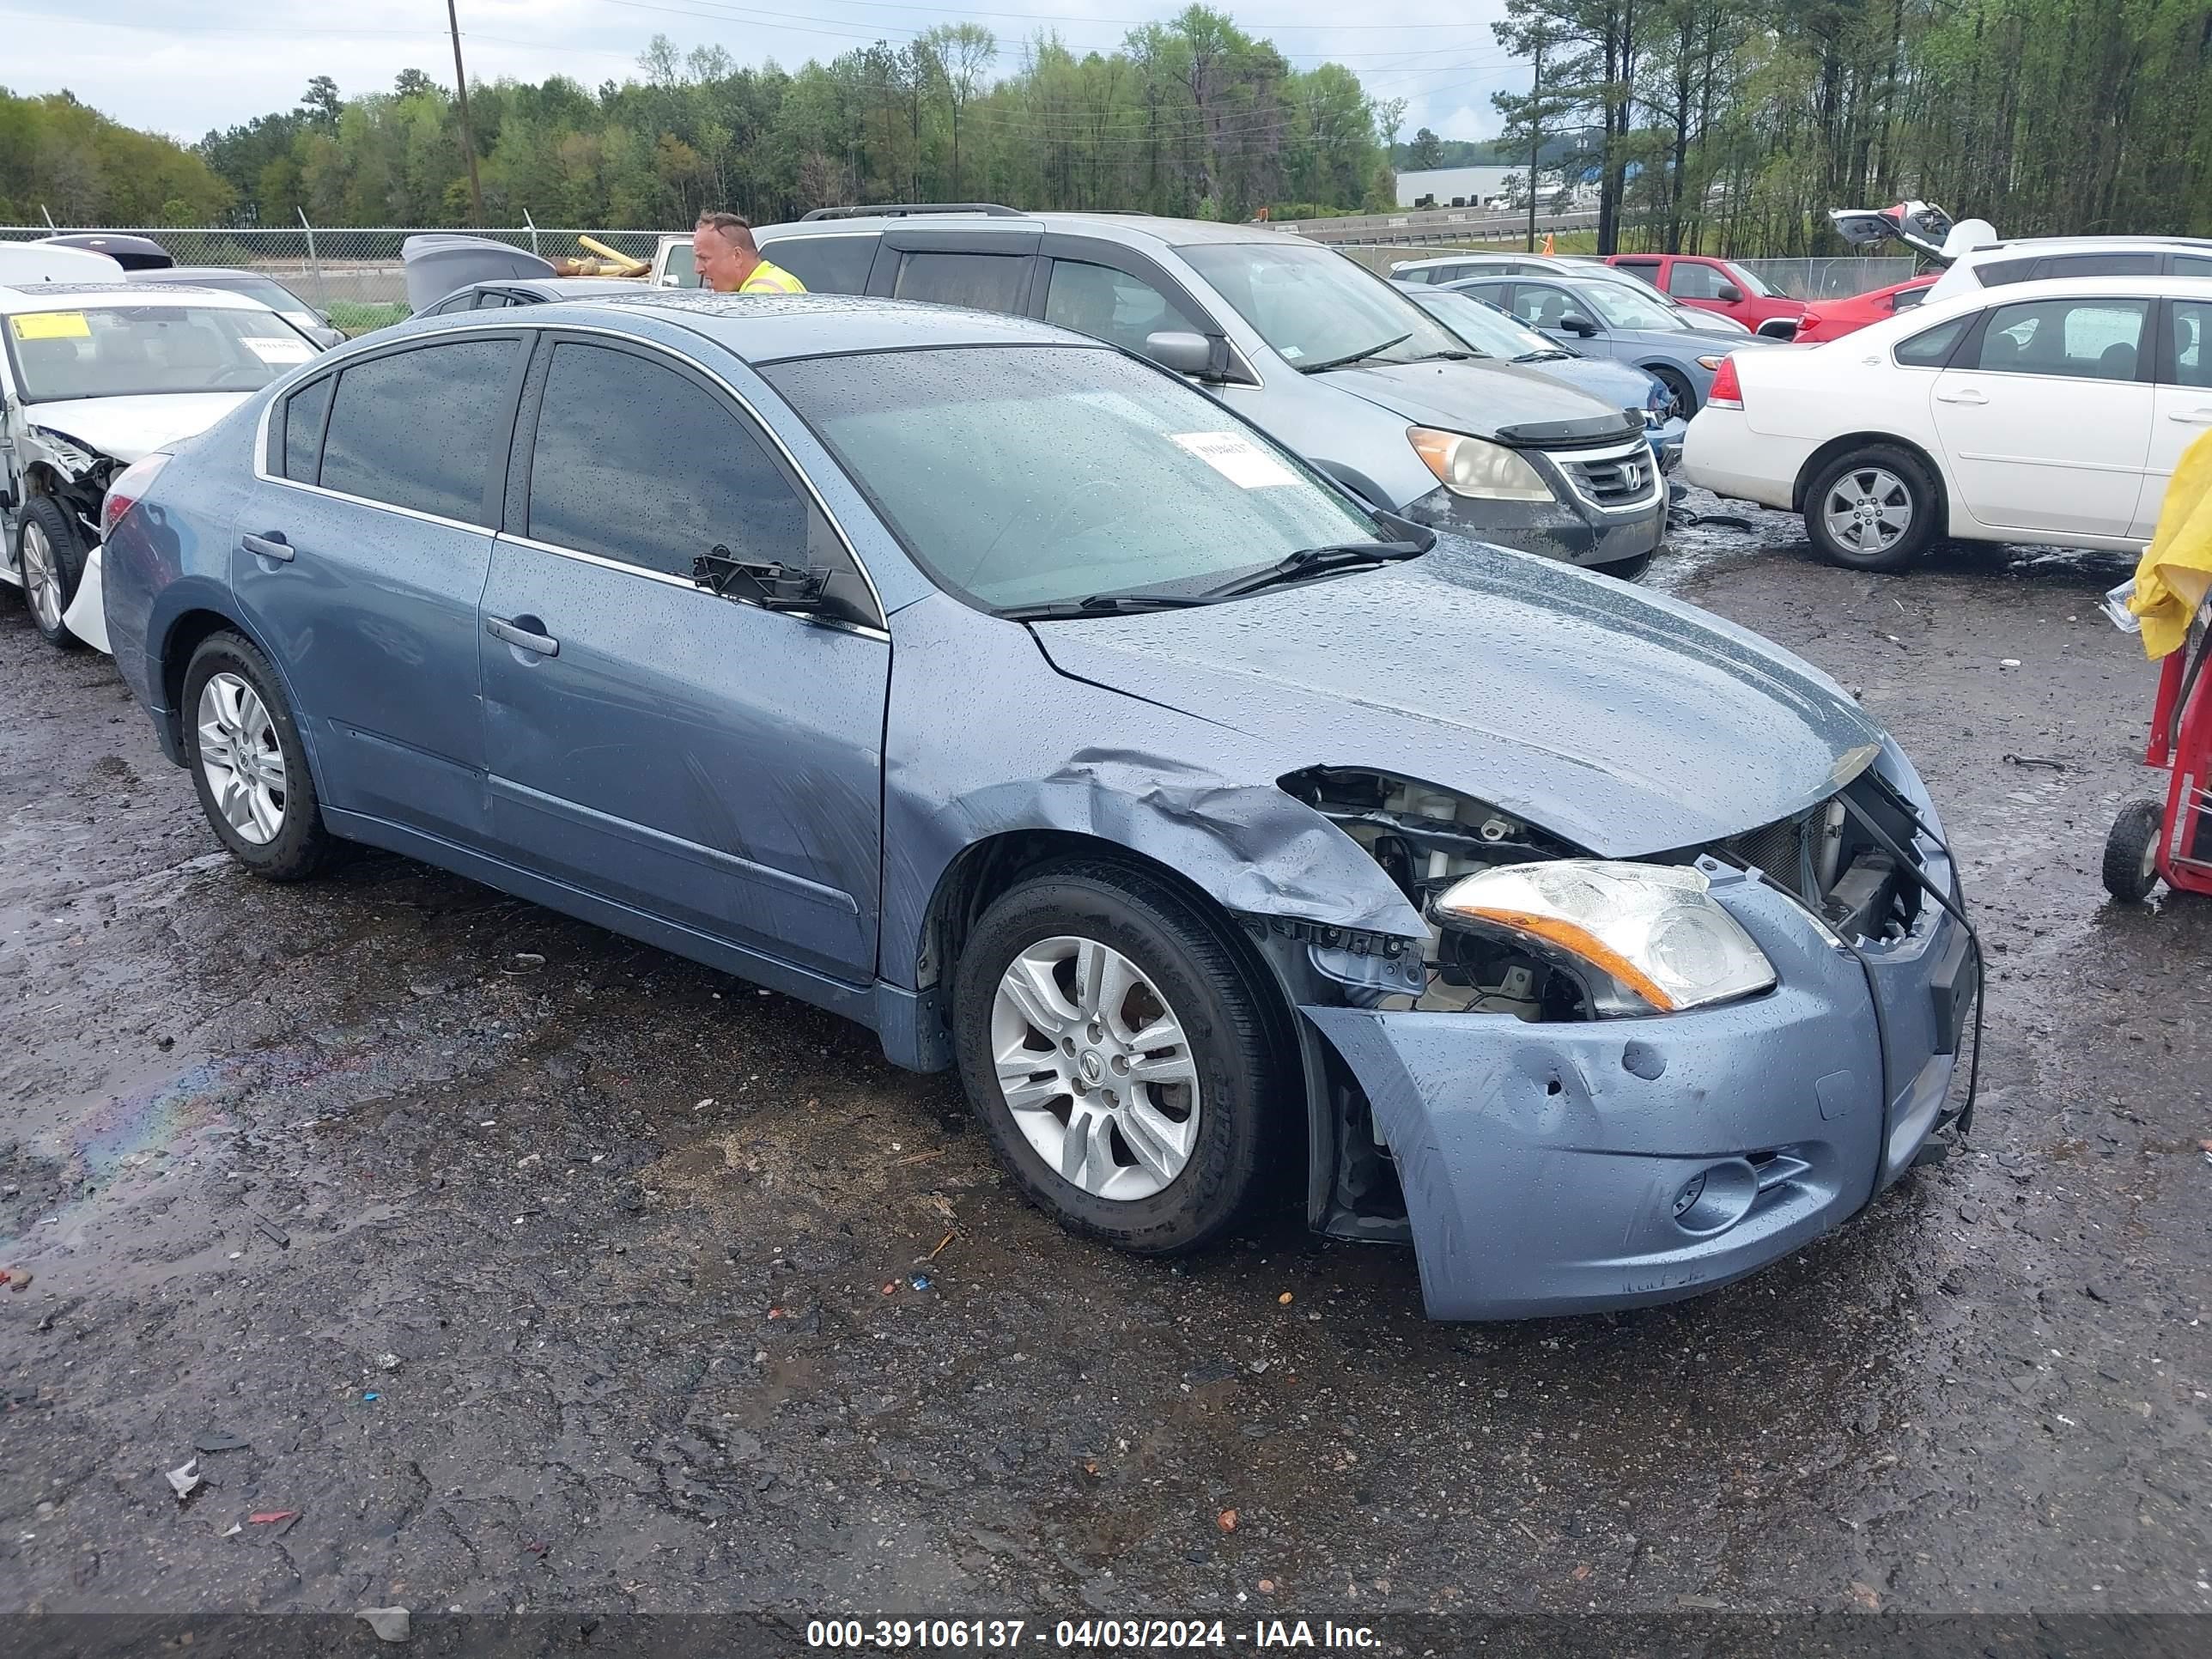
{"points": [[1476, 184]]}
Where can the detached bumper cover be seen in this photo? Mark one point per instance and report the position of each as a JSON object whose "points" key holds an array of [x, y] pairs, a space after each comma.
{"points": [[1558, 1169]]}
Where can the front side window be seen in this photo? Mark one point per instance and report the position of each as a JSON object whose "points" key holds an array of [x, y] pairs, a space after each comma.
{"points": [[635, 462], [681, 268], [145, 350], [1691, 281], [984, 282], [1112, 305], [1020, 476], [2076, 340], [1316, 308], [419, 429], [2192, 265], [1752, 283]]}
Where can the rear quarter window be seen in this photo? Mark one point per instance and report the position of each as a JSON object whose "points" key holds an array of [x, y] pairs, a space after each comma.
{"points": [[304, 412], [1932, 347]]}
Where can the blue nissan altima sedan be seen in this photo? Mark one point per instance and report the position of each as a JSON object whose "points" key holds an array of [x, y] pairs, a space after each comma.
{"points": [[981, 682]]}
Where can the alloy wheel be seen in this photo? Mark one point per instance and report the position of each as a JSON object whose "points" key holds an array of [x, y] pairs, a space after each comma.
{"points": [[242, 758], [1868, 509], [42, 581], [1095, 1068]]}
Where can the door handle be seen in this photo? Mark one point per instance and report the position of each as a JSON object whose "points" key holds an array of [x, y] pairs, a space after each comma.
{"points": [[1964, 395], [271, 546], [2192, 417], [543, 644]]}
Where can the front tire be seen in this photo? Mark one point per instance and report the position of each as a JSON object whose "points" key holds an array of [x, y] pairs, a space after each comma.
{"points": [[2131, 851], [249, 765], [50, 555], [1875, 509], [1119, 1056], [1676, 382]]}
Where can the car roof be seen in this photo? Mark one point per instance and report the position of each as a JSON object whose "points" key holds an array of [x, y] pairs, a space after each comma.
{"points": [[1967, 301], [93, 296], [763, 328], [2087, 244], [1130, 226], [190, 273], [561, 287]]}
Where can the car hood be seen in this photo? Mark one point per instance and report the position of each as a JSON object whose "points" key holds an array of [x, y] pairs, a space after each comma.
{"points": [[129, 428], [1483, 398], [1618, 384], [1621, 722], [1697, 341]]}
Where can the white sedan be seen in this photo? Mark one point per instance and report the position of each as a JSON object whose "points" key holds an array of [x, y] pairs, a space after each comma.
{"points": [[93, 377], [2046, 412]]}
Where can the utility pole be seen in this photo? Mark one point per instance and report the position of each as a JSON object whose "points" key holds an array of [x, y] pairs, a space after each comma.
{"points": [[1536, 135], [461, 91]]}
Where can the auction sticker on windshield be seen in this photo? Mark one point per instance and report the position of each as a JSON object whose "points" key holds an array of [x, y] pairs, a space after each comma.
{"points": [[51, 325], [276, 351], [1236, 459]]}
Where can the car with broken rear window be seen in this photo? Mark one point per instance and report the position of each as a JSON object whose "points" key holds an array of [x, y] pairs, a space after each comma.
{"points": [[1240, 844], [93, 376]]}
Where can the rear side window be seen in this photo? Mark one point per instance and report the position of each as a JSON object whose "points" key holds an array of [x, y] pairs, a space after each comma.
{"points": [[1647, 269], [2097, 265], [1999, 273], [303, 428], [2188, 320], [987, 282], [2078, 339], [421, 428], [2192, 265], [637, 463], [1933, 349], [827, 264]]}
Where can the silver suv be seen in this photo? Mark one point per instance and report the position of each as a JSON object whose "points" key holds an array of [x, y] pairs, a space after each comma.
{"points": [[1327, 356]]}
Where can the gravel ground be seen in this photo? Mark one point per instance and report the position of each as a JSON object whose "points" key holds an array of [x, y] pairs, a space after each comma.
{"points": [[536, 1269]]}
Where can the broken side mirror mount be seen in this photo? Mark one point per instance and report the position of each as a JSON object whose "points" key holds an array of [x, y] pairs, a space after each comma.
{"points": [[767, 583]]}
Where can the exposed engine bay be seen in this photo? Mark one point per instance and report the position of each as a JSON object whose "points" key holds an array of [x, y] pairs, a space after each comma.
{"points": [[1426, 839]]}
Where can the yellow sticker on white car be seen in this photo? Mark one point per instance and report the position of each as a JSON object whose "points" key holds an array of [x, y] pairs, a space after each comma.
{"points": [[271, 350], [51, 325], [1236, 459]]}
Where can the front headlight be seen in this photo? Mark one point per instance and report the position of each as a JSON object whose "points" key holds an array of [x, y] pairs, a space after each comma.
{"points": [[1655, 929], [1485, 472]]}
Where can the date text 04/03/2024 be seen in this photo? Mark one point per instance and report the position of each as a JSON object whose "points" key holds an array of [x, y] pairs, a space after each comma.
{"points": [[1110, 1635]]}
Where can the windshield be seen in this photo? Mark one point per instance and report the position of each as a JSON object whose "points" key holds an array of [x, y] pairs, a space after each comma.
{"points": [[1620, 305], [1751, 284], [130, 351], [1021, 476], [1315, 307], [1484, 327]]}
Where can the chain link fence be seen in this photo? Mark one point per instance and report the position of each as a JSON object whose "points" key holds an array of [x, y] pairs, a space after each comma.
{"points": [[1830, 279], [354, 275]]}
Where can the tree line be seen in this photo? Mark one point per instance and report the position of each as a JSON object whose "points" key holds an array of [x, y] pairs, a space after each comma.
{"points": [[1729, 125], [1735, 124]]}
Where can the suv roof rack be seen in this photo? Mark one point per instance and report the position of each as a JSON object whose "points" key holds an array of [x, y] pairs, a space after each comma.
{"points": [[903, 210]]}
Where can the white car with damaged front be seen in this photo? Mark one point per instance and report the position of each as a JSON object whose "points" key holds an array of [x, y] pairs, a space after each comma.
{"points": [[92, 378], [2050, 412]]}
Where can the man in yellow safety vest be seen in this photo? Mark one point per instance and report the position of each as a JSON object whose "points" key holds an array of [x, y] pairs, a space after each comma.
{"points": [[728, 262]]}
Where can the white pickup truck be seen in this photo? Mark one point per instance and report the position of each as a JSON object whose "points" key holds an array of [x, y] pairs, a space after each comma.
{"points": [[672, 265]]}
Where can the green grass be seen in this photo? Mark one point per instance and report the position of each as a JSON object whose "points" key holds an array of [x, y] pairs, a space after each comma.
{"points": [[354, 317]]}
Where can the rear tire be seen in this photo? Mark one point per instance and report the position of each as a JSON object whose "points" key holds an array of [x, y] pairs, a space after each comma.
{"points": [[50, 555], [2131, 851], [1875, 509], [1156, 1168], [249, 765]]}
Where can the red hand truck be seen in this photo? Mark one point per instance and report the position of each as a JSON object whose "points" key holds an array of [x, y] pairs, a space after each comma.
{"points": [[2173, 842]]}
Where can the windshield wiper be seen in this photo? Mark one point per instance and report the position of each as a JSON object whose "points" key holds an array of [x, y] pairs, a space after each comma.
{"points": [[1313, 561], [1100, 604], [1542, 356], [1350, 358]]}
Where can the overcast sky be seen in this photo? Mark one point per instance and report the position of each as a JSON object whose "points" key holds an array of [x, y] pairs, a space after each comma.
{"points": [[184, 66]]}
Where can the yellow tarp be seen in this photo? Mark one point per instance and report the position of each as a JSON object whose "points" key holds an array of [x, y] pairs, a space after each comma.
{"points": [[2176, 569]]}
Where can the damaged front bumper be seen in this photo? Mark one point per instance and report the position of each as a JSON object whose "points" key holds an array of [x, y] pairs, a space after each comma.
{"points": [[1570, 1167], [1571, 529]]}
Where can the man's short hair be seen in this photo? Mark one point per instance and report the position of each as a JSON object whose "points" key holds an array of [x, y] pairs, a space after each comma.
{"points": [[734, 227]]}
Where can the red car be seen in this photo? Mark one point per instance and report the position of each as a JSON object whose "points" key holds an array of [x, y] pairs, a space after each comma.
{"points": [[1715, 285], [1831, 319]]}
